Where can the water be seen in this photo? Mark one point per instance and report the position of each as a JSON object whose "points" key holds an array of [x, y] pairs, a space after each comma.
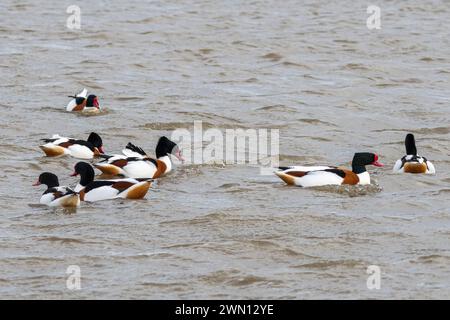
{"points": [[311, 69]]}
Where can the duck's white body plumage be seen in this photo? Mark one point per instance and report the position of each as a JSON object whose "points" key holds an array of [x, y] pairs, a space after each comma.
{"points": [[75, 150], [60, 197], [131, 189], [134, 165], [314, 176], [414, 164], [61, 146]]}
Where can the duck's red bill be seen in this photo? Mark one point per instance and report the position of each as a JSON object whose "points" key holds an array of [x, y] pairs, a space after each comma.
{"points": [[37, 183], [74, 174], [179, 156], [378, 164]]}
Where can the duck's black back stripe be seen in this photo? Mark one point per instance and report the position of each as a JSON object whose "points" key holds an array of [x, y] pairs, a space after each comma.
{"points": [[97, 184], [153, 161], [79, 100], [339, 172]]}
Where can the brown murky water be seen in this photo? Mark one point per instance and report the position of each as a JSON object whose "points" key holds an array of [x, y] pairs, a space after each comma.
{"points": [[311, 69]]}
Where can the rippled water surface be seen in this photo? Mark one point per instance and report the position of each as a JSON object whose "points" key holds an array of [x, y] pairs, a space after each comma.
{"points": [[311, 69]]}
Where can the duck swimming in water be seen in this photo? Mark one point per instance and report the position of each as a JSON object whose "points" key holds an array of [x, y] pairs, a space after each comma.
{"points": [[305, 176], [412, 162], [82, 102], [56, 195], [98, 190], [135, 163], [59, 146]]}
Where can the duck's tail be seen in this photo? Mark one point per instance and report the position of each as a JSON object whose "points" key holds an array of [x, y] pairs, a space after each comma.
{"points": [[137, 191], [109, 169], [285, 177]]}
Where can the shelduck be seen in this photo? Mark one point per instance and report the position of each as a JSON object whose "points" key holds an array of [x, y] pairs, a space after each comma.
{"points": [[412, 162], [59, 146], [135, 163], [98, 190], [82, 102], [56, 195], [305, 176]]}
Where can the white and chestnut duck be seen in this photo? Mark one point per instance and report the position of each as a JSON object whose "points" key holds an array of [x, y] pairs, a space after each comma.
{"points": [[322, 175], [82, 102], [412, 162], [135, 163], [56, 195], [98, 190], [59, 146]]}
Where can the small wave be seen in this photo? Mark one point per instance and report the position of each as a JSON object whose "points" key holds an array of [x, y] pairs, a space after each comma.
{"points": [[295, 64], [432, 258], [94, 62], [277, 108], [387, 85], [234, 278], [182, 245], [316, 93], [345, 41], [211, 116], [102, 112], [53, 109], [355, 66], [13, 149], [34, 166], [424, 131], [276, 247], [297, 160], [239, 190], [65, 240], [228, 185], [5, 106], [128, 98], [91, 85], [168, 126], [438, 192], [249, 280], [192, 169], [317, 122], [32, 259], [409, 80], [351, 190], [161, 285], [272, 56], [330, 264], [315, 138], [100, 35], [251, 80], [205, 51]]}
